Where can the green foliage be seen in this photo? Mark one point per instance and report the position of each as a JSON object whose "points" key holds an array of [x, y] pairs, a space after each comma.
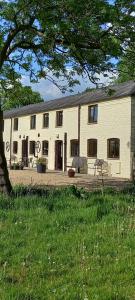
{"points": [[19, 95], [126, 66], [67, 244], [63, 37], [42, 160]]}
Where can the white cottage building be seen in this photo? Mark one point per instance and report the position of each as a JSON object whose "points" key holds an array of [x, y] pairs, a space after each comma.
{"points": [[90, 125]]}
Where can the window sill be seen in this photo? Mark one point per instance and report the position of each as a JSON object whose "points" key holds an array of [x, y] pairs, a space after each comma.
{"points": [[92, 123], [92, 157], [113, 158], [58, 126]]}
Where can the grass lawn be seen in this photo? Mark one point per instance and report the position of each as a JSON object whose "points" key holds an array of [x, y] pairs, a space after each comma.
{"points": [[67, 245]]}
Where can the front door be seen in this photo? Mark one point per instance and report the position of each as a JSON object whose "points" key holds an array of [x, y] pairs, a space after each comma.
{"points": [[59, 155], [25, 152]]}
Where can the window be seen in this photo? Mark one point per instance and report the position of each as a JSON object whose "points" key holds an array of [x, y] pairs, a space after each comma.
{"points": [[92, 148], [32, 147], [16, 124], [45, 146], [33, 122], [113, 148], [59, 118], [46, 120], [4, 146], [74, 148], [92, 114], [3, 126], [15, 147]]}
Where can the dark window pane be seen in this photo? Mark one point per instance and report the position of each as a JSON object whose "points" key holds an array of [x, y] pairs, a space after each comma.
{"points": [[92, 114], [74, 148], [113, 148], [45, 147], [16, 124], [3, 126], [46, 120], [92, 148], [15, 147], [59, 118], [33, 122], [32, 147]]}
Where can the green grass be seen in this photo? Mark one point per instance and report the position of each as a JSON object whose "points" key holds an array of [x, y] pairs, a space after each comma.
{"points": [[67, 244]]}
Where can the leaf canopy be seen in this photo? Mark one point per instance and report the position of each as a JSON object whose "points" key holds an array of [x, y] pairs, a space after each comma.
{"points": [[64, 38]]}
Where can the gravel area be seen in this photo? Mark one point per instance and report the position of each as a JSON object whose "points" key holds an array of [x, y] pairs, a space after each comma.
{"points": [[52, 178]]}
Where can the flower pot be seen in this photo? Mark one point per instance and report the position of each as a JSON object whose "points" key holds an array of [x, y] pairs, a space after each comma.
{"points": [[71, 173], [41, 168]]}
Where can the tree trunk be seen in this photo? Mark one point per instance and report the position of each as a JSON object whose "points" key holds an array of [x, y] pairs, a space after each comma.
{"points": [[5, 185]]}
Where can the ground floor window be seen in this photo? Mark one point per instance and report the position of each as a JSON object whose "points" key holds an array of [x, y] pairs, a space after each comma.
{"points": [[113, 148], [92, 148], [15, 147], [45, 148], [74, 148], [32, 148]]}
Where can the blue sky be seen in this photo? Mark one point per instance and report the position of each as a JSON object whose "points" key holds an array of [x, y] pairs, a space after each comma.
{"points": [[49, 91]]}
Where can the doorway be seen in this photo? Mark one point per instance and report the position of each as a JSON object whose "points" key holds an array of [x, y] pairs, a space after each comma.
{"points": [[59, 155], [25, 152]]}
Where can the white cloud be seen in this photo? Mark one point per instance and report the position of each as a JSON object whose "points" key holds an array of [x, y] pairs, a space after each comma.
{"points": [[49, 91]]}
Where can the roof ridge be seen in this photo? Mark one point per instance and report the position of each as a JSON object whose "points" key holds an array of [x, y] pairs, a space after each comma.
{"points": [[123, 89]]}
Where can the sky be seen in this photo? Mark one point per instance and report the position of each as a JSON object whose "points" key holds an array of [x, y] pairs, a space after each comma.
{"points": [[49, 91]]}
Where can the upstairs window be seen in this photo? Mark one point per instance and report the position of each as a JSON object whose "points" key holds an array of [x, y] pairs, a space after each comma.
{"points": [[33, 122], [46, 120], [16, 124], [74, 148], [59, 118], [92, 148], [32, 147], [113, 148], [93, 114], [15, 147], [45, 147]]}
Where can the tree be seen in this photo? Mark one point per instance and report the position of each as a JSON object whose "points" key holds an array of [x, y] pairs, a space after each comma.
{"points": [[62, 37], [126, 67], [19, 95]]}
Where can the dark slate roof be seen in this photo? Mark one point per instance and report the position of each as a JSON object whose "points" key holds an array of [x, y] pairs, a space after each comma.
{"points": [[97, 95]]}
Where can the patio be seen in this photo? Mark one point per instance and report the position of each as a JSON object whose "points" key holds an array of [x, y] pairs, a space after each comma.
{"points": [[53, 178]]}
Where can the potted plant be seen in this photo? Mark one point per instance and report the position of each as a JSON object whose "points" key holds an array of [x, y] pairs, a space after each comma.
{"points": [[71, 172], [17, 166], [41, 165]]}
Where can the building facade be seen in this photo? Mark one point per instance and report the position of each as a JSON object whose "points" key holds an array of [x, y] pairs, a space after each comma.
{"points": [[91, 125]]}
